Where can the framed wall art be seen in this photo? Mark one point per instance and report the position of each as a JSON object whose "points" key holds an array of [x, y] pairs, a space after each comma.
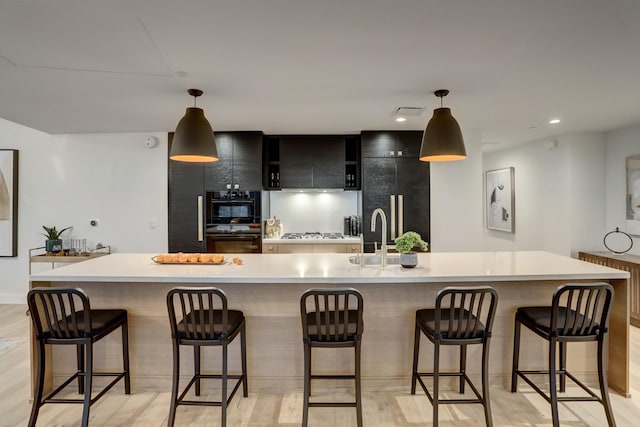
{"points": [[633, 195], [8, 203], [500, 199]]}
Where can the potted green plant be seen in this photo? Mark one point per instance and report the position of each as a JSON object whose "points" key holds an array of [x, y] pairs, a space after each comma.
{"points": [[54, 242], [405, 245]]}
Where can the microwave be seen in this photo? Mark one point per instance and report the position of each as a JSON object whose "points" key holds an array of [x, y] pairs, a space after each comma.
{"points": [[233, 207]]}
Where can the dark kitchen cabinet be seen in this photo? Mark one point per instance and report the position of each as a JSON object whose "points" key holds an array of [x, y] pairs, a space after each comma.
{"points": [[312, 161], [296, 163], [398, 183], [186, 191], [391, 144], [240, 163]]}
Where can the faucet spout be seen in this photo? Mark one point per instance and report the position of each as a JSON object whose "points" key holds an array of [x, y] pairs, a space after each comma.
{"points": [[378, 212]]}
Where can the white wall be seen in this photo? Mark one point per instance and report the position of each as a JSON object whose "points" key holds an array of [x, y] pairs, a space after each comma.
{"points": [[456, 201], [66, 180], [619, 145], [311, 212], [559, 195]]}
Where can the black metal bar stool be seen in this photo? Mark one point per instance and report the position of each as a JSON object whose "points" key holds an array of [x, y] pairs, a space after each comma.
{"points": [[64, 316], [462, 316], [579, 312], [331, 318], [200, 317]]}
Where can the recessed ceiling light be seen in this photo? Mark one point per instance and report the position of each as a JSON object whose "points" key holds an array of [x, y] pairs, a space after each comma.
{"points": [[554, 121], [401, 119]]}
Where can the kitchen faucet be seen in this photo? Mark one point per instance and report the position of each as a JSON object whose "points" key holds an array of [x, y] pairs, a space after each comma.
{"points": [[383, 219]]}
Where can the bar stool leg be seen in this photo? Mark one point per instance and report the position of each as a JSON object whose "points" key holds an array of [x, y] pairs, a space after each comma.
{"points": [[416, 350], [174, 384], [563, 366], [125, 358], [307, 384], [243, 351], [223, 399], [358, 388], [516, 355], [553, 391], [486, 401], [37, 395], [87, 384], [436, 373], [80, 363], [463, 366], [602, 379], [196, 367]]}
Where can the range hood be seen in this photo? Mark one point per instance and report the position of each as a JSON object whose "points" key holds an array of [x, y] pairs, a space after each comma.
{"points": [[312, 190]]}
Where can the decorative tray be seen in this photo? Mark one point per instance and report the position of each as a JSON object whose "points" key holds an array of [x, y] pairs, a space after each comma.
{"points": [[155, 259]]}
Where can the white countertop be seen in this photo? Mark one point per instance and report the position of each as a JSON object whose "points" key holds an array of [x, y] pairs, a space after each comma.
{"points": [[279, 241], [335, 268]]}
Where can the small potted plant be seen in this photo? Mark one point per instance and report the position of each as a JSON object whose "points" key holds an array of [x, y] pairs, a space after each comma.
{"points": [[54, 242], [405, 245]]}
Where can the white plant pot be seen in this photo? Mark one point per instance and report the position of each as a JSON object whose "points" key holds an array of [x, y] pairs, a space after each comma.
{"points": [[409, 260]]}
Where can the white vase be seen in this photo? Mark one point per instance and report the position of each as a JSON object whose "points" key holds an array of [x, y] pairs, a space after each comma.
{"points": [[409, 260]]}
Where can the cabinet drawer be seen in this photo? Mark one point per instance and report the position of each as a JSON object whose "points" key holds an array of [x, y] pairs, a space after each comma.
{"points": [[336, 248], [296, 248], [270, 249], [352, 248]]}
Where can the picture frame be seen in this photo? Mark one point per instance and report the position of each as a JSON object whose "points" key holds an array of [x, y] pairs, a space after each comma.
{"points": [[8, 203], [633, 195], [500, 203]]}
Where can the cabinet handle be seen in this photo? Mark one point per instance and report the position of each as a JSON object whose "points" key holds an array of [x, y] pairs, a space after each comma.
{"points": [[200, 219], [393, 217], [400, 214]]}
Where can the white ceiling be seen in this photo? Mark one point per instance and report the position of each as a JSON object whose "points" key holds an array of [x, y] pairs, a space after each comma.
{"points": [[321, 66]]}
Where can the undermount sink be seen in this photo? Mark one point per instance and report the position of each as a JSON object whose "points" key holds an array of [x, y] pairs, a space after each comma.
{"points": [[375, 259]]}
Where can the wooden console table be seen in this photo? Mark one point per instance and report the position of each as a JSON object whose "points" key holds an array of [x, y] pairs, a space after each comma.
{"points": [[64, 259], [626, 262]]}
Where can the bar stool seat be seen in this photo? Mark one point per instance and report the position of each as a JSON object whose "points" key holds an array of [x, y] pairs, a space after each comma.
{"points": [[462, 316], [427, 319], [578, 313], [63, 316], [199, 317], [331, 318]]}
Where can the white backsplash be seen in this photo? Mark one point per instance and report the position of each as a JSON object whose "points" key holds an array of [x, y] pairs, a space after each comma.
{"points": [[313, 211]]}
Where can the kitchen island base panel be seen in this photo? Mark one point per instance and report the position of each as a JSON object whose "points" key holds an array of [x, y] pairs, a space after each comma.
{"points": [[274, 335]]}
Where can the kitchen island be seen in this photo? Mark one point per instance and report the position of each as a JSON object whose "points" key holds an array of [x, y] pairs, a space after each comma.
{"points": [[267, 288]]}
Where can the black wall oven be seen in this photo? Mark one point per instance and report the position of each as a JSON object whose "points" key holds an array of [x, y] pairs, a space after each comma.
{"points": [[234, 222]]}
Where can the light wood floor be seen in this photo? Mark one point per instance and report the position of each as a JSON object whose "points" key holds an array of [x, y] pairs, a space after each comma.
{"points": [[390, 408]]}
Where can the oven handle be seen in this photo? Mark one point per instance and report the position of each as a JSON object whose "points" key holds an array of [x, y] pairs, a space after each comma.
{"points": [[231, 237]]}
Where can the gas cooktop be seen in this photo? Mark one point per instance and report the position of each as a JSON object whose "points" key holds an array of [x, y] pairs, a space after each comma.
{"points": [[311, 236]]}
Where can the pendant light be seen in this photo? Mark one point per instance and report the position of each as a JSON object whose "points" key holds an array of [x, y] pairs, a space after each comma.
{"points": [[442, 139], [193, 140]]}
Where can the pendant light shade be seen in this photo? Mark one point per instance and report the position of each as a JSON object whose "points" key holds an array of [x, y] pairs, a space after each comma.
{"points": [[442, 139], [193, 140]]}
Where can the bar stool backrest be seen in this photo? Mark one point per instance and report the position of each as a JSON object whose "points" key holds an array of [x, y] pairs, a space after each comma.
{"points": [[335, 312], [60, 313], [581, 309], [472, 308], [203, 311]]}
